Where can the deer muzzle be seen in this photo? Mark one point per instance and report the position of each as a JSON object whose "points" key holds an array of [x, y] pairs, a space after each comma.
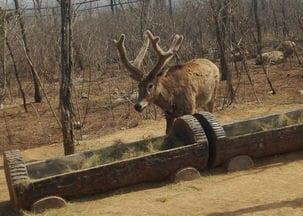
{"points": [[140, 106]]}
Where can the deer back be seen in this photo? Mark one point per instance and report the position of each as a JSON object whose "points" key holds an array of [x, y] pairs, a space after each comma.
{"points": [[183, 87]]}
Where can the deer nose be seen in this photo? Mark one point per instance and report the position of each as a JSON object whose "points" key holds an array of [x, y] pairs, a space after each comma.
{"points": [[138, 108]]}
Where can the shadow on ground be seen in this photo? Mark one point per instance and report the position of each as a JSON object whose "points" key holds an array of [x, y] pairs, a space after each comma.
{"points": [[261, 164], [6, 209], [296, 203]]}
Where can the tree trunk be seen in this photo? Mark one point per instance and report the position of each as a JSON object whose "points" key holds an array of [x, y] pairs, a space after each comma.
{"points": [[221, 36], [17, 75], [259, 43], [300, 23], [170, 4], [258, 27], [38, 96], [112, 6], [66, 81], [285, 28], [78, 60], [2, 56], [276, 24], [144, 17]]}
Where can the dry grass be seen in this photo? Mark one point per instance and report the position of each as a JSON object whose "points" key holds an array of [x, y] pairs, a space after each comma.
{"points": [[264, 124], [281, 121], [121, 151]]}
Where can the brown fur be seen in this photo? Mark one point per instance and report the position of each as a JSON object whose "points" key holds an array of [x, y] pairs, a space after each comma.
{"points": [[182, 88]]}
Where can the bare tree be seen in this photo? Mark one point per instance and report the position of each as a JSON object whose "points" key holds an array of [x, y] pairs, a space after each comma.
{"points": [[112, 6], [2, 55], [38, 96], [66, 81], [259, 42], [17, 75], [144, 16], [221, 23], [170, 5]]}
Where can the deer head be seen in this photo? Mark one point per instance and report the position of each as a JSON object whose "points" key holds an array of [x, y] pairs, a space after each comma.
{"points": [[148, 85]]}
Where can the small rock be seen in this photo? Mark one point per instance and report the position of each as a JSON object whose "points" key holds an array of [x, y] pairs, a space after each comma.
{"points": [[270, 92], [300, 92], [238, 163], [48, 203], [186, 174]]}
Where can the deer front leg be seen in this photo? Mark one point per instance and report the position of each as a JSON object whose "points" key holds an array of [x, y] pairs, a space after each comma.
{"points": [[211, 103], [169, 122], [210, 106]]}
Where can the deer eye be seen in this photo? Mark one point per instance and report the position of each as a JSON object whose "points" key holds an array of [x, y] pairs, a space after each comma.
{"points": [[150, 86]]}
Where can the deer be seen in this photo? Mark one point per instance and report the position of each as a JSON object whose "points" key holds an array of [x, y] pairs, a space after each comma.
{"points": [[179, 89], [271, 57], [283, 50], [287, 47]]}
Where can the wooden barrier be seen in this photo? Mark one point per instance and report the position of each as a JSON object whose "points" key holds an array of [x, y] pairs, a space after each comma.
{"points": [[185, 148], [29, 182], [256, 137]]}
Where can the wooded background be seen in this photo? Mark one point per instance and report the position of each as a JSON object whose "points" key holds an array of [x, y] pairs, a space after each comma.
{"points": [[31, 42], [96, 23]]}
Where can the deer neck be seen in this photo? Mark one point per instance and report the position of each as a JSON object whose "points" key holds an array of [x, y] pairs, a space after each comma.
{"points": [[164, 96]]}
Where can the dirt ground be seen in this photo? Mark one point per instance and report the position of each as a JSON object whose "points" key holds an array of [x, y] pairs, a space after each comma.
{"points": [[273, 187]]}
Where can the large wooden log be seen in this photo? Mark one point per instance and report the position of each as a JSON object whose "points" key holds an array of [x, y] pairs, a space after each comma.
{"points": [[258, 137], [152, 167]]}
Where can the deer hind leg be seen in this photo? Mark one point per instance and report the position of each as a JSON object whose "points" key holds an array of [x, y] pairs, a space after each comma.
{"points": [[210, 105]]}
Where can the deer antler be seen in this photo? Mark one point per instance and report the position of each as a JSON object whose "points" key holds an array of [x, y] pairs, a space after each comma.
{"points": [[133, 68], [164, 57]]}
